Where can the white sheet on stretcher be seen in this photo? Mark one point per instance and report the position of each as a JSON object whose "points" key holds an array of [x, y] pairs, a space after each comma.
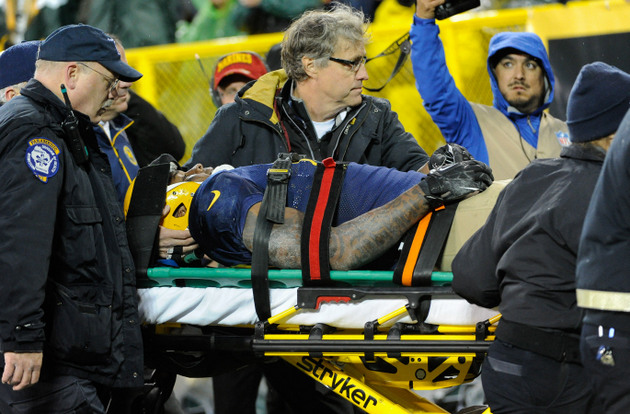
{"points": [[235, 307]]}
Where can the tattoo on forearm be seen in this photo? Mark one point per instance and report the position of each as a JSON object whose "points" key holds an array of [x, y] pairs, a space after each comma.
{"points": [[352, 244]]}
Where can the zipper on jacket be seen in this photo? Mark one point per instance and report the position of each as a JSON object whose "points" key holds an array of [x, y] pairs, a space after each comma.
{"points": [[344, 132], [308, 143]]}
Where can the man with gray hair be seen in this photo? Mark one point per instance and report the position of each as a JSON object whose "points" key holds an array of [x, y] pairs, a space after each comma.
{"points": [[313, 106]]}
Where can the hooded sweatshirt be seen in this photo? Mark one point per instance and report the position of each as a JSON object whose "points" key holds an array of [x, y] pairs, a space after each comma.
{"points": [[499, 135]]}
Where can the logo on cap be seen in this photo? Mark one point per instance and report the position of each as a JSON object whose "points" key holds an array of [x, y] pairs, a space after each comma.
{"points": [[234, 58], [42, 157]]}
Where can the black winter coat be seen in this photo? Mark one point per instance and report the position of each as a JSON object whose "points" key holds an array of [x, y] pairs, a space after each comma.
{"points": [[66, 274], [524, 257]]}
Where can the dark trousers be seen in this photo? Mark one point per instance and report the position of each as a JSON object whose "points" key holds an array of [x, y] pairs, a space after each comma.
{"points": [[519, 381], [611, 382], [61, 394]]}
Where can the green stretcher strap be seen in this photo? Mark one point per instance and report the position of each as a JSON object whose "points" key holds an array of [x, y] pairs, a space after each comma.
{"points": [[278, 278]]}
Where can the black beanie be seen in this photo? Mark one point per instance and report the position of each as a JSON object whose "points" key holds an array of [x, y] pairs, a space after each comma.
{"points": [[598, 101]]}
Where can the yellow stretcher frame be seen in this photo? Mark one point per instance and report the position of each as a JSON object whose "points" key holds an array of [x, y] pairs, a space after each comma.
{"points": [[377, 368]]}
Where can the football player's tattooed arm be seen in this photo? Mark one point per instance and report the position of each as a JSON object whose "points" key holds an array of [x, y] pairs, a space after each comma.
{"points": [[352, 244]]}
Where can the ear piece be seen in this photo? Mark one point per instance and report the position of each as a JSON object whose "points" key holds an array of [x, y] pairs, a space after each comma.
{"points": [[216, 97]]}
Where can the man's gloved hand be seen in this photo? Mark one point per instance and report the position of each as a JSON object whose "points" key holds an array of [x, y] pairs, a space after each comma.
{"points": [[454, 182], [448, 154]]}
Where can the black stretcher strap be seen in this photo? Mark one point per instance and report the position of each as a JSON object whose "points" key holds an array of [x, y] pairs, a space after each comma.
{"points": [[421, 250], [321, 208], [144, 215], [271, 212]]}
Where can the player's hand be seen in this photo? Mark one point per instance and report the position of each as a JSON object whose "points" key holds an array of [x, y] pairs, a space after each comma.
{"points": [[174, 242], [448, 154], [22, 370], [455, 182]]}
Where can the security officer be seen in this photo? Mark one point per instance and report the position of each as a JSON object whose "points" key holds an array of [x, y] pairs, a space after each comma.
{"points": [[69, 330]]}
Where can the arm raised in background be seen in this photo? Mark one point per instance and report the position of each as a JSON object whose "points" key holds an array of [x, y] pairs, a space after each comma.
{"points": [[448, 108]]}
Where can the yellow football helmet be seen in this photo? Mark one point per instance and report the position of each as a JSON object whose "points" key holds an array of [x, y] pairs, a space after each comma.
{"points": [[178, 197]]}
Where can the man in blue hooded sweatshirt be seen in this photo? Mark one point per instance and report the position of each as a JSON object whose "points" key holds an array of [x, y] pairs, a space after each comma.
{"points": [[512, 132]]}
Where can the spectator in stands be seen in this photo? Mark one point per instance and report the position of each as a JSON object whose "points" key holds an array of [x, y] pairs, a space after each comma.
{"points": [[270, 16], [368, 7], [524, 260], [17, 66], [213, 20], [513, 132], [137, 23], [314, 106]]}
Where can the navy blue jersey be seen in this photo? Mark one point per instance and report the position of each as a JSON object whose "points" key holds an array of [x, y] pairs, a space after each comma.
{"points": [[219, 208]]}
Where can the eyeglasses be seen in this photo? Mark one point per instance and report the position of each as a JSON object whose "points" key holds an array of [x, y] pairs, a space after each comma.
{"points": [[113, 82], [353, 65]]}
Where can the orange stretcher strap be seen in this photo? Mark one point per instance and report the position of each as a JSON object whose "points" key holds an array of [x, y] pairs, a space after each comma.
{"points": [[422, 247]]}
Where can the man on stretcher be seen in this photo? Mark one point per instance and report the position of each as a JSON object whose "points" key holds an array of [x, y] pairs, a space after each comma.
{"points": [[376, 207]]}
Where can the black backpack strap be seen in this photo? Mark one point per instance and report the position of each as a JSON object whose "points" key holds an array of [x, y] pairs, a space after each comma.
{"points": [[320, 210], [271, 212], [422, 247]]}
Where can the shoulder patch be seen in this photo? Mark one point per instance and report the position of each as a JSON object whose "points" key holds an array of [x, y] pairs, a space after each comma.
{"points": [[42, 157]]}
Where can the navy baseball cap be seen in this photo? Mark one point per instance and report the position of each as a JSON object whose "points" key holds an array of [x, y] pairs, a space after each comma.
{"points": [[17, 63], [84, 43]]}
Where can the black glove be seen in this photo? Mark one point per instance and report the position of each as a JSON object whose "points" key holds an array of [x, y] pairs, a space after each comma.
{"points": [[454, 182], [448, 154]]}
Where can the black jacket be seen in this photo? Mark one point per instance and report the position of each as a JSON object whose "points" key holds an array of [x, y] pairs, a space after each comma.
{"points": [[603, 285], [67, 276], [255, 128], [523, 259], [151, 133]]}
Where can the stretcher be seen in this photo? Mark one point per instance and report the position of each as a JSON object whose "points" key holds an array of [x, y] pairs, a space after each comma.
{"points": [[372, 337], [372, 342]]}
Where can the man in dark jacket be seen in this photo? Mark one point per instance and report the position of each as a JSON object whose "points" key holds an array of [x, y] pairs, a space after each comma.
{"points": [[313, 106], [69, 324], [523, 259], [603, 285]]}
